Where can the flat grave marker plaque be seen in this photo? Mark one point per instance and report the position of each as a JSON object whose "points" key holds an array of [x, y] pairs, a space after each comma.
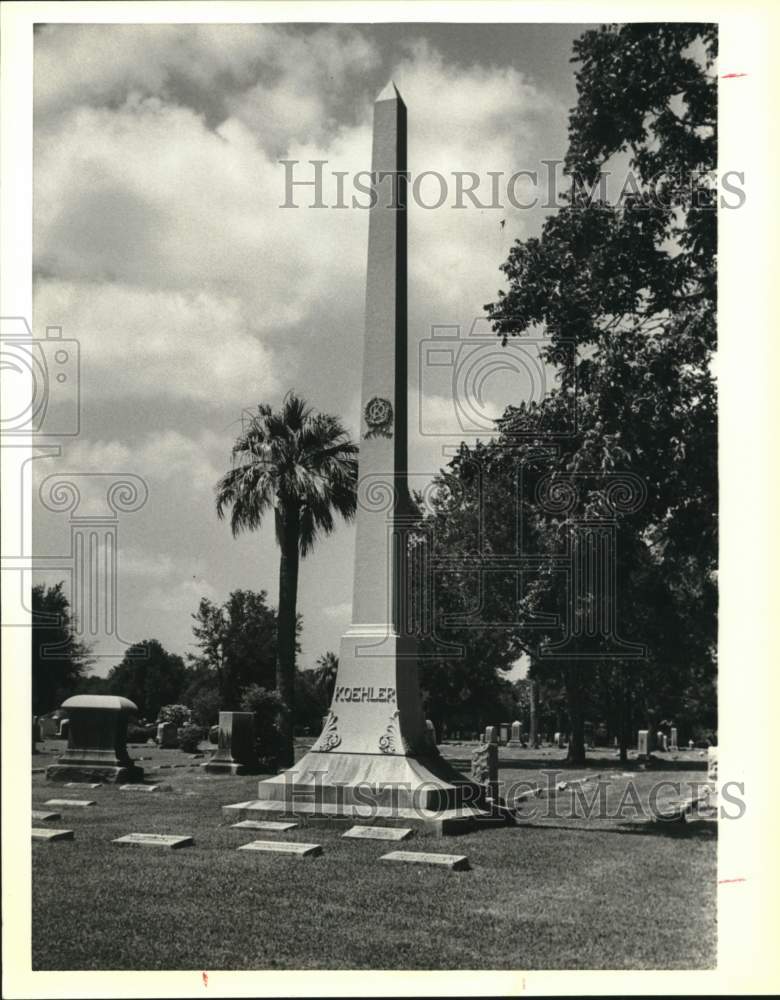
{"points": [[456, 862], [280, 847], [46, 833], [264, 824], [379, 833], [154, 840]]}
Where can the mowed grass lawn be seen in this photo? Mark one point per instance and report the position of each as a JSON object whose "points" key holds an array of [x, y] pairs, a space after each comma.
{"points": [[546, 894]]}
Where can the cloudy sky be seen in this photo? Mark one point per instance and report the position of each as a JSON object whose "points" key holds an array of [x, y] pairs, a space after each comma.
{"points": [[161, 246]]}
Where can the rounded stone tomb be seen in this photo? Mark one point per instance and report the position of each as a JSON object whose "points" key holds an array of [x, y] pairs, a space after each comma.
{"points": [[97, 740]]}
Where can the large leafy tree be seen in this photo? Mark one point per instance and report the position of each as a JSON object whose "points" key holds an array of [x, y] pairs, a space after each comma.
{"points": [[632, 286], [238, 644], [148, 675], [302, 466], [59, 659]]}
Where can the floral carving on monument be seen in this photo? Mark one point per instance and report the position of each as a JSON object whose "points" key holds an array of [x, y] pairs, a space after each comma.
{"points": [[329, 737], [392, 741]]}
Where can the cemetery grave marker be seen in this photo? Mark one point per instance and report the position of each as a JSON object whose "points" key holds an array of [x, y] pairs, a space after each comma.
{"points": [[155, 840], [279, 847], [378, 833], [97, 741], [374, 735], [46, 833], [70, 803], [264, 824], [456, 862]]}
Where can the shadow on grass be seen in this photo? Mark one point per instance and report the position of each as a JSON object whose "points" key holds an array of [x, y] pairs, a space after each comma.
{"points": [[691, 830]]}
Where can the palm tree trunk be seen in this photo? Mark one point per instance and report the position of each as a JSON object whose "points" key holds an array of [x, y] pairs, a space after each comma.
{"points": [[285, 646]]}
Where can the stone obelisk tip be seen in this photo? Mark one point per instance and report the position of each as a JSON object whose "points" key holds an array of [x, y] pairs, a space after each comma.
{"points": [[390, 93]]}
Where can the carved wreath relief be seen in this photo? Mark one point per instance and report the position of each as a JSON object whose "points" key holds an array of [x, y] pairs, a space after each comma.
{"points": [[379, 417]]}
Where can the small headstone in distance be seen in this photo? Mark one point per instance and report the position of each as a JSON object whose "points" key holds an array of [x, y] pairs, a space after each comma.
{"points": [[264, 824], [455, 862], [139, 788], [46, 833], [70, 803], [280, 847], [81, 784], [378, 833], [44, 817], [154, 840]]}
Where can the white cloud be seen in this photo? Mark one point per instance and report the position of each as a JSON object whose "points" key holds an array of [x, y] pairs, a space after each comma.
{"points": [[162, 457]]}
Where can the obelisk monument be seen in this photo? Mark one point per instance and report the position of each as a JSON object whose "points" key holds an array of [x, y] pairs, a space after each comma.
{"points": [[372, 756]]}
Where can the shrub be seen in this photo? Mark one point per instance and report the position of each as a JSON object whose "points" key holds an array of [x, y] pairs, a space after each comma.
{"points": [[190, 737], [205, 706], [178, 714], [140, 734], [267, 706]]}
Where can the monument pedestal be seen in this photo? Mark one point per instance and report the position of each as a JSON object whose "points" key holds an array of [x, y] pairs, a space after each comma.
{"points": [[97, 737], [373, 762], [235, 753]]}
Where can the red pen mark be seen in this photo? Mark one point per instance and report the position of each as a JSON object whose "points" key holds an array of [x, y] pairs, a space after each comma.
{"points": [[732, 76], [728, 881], [205, 979]]}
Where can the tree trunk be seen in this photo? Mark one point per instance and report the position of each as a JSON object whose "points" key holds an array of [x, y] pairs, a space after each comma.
{"points": [[285, 644], [533, 725], [625, 715], [576, 752]]}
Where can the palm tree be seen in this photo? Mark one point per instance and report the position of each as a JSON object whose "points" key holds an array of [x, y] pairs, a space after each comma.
{"points": [[325, 671], [304, 466]]}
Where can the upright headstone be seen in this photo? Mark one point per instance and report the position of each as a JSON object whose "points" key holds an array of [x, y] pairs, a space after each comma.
{"points": [[560, 740], [643, 743], [484, 768], [516, 739], [491, 734], [430, 732], [673, 739], [504, 730], [690, 744], [235, 753], [167, 735], [664, 744], [48, 728], [375, 733], [97, 741]]}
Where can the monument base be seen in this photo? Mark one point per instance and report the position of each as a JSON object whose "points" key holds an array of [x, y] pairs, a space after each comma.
{"points": [[230, 767], [90, 772], [424, 792], [431, 823]]}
